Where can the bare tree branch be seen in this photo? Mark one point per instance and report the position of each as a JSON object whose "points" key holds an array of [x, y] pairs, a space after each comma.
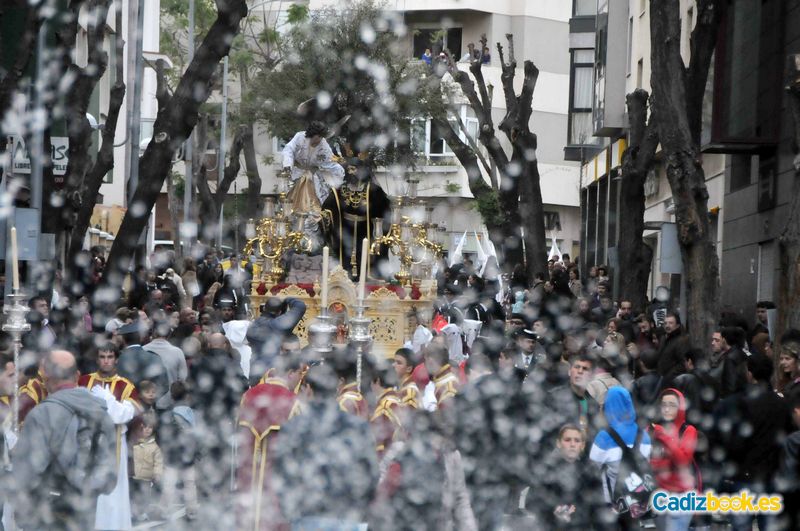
{"points": [[472, 144], [508, 71], [231, 170], [702, 44], [525, 106]]}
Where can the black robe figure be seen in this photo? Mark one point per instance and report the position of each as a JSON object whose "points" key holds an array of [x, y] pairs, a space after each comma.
{"points": [[347, 217]]}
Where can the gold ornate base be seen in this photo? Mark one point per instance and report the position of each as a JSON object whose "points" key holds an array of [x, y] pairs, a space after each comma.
{"points": [[389, 313]]}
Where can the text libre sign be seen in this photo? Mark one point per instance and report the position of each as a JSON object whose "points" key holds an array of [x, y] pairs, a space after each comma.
{"points": [[59, 148]]}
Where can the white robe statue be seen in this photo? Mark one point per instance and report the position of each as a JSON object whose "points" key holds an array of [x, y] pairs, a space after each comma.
{"points": [[302, 157]]}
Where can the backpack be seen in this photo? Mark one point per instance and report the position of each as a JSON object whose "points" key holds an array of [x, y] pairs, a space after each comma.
{"points": [[93, 468], [635, 482]]}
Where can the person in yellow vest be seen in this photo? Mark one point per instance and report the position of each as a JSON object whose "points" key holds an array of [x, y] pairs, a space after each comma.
{"points": [[444, 379], [31, 394], [348, 395], [404, 362], [114, 509], [385, 419]]}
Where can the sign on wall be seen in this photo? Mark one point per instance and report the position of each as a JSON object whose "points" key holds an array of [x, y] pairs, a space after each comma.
{"points": [[59, 149]]}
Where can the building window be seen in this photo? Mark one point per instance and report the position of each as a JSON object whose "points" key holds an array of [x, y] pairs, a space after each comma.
{"points": [[552, 221], [428, 141], [584, 8], [437, 39], [767, 181], [748, 80], [639, 73], [628, 65], [437, 147], [740, 171], [580, 99]]}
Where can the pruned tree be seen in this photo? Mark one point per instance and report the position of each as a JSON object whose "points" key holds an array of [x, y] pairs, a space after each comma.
{"points": [[85, 176], [254, 51], [515, 200], [211, 202], [634, 254], [789, 243], [176, 117], [677, 102]]}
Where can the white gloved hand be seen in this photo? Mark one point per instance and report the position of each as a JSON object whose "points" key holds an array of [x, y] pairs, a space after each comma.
{"points": [[101, 392]]}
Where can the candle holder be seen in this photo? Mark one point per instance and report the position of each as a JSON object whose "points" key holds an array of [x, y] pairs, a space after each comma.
{"points": [[359, 327], [321, 333], [16, 325], [276, 235], [408, 240], [360, 336]]}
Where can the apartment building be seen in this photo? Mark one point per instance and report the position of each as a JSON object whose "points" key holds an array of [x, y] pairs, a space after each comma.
{"points": [[746, 147]]}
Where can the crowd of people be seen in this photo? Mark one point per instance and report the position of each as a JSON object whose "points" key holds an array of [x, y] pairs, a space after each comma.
{"points": [[542, 403]]}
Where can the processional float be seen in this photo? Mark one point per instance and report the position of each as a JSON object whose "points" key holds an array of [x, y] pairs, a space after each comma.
{"points": [[372, 313]]}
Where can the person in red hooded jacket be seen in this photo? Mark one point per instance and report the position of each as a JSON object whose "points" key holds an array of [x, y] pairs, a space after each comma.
{"points": [[672, 457]]}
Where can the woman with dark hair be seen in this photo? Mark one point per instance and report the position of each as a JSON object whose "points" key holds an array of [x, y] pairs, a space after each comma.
{"points": [[575, 284]]}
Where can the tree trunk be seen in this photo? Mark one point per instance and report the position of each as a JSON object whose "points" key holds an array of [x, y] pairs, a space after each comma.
{"points": [[177, 116], [87, 194], [684, 172], [79, 132], [789, 303], [516, 125], [519, 191], [493, 216], [251, 169], [531, 212], [634, 255], [104, 163]]}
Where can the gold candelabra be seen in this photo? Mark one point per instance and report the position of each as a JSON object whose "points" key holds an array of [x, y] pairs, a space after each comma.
{"points": [[279, 231], [410, 241]]}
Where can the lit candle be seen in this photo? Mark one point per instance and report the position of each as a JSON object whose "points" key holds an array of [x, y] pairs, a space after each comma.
{"points": [[362, 279], [14, 259], [324, 283]]}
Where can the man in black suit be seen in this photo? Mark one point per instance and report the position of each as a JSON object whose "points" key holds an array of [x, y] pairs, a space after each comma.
{"points": [[137, 364]]}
